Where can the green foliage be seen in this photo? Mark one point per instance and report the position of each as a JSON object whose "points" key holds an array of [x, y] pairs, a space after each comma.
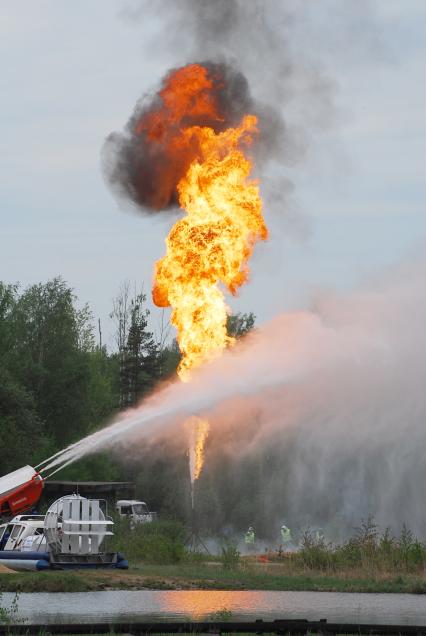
{"points": [[99, 467], [23, 438], [50, 340], [169, 358], [161, 542], [239, 324], [367, 550], [8, 295], [56, 386], [230, 556], [140, 367], [139, 356], [9, 615], [221, 615], [315, 553]]}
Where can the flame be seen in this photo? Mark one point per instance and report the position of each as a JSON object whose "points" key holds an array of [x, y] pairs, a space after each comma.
{"points": [[212, 243], [198, 431], [209, 247]]}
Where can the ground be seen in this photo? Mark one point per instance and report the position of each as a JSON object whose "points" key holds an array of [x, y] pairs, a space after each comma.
{"points": [[187, 576]]}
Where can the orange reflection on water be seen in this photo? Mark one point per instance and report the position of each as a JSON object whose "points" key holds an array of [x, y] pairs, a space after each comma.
{"points": [[200, 604]]}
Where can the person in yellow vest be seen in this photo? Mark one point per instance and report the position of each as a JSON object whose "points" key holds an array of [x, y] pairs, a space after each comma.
{"points": [[286, 537], [250, 538]]}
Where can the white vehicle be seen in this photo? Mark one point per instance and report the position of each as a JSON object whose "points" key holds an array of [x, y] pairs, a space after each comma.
{"points": [[22, 532], [135, 511]]}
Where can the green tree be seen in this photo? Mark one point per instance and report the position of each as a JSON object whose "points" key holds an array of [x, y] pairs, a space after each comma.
{"points": [[239, 324], [102, 385], [8, 296], [120, 314], [141, 362], [51, 343], [23, 438], [169, 358]]}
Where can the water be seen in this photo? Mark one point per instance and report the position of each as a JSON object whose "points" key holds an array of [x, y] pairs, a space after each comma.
{"points": [[404, 609]]}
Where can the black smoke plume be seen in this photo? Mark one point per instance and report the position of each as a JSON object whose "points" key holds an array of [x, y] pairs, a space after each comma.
{"points": [[145, 171]]}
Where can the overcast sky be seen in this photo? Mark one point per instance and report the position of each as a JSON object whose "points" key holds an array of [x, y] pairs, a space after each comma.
{"points": [[72, 73]]}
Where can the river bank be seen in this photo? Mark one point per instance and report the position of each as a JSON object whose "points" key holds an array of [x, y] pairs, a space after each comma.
{"points": [[210, 576]]}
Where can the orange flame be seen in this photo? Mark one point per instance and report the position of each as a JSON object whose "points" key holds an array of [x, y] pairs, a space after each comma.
{"points": [[198, 432], [212, 243]]}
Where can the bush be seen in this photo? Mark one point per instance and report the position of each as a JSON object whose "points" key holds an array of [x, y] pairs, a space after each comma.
{"points": [[230, 556], [314, 552], [160, 542], [367, 550]]}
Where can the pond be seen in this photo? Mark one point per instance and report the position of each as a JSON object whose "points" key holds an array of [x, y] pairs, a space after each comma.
{"points": [[406, 609]]}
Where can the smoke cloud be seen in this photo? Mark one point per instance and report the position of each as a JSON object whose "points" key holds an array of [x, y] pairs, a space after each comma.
{"points": [[317, 418], [241, 44], [147, 161]]}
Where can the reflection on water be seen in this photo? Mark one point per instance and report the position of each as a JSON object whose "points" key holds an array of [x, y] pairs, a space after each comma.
{"points": [[201, 604], [405, 609]]}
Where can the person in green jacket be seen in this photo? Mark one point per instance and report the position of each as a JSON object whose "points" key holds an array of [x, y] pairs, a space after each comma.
{"points": [[250, 538], [285, 536]]}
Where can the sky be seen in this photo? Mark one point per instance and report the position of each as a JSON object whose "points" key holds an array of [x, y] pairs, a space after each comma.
{"points": [[72, 73]]}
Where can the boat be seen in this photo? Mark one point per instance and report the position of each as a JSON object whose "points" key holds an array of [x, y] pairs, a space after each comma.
{"points": [[71, 535]]}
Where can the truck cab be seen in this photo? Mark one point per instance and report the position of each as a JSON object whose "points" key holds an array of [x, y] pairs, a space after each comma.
{"points": [[135, 511]]}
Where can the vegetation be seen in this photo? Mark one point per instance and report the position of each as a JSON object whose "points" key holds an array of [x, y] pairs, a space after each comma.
{"points": [[57, 384], [231, 557], [9, 615], [369, 551], [157, 542], [189, 575]]}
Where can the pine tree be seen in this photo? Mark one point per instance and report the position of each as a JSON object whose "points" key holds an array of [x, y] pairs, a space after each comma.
{"points": [[140, 368]]}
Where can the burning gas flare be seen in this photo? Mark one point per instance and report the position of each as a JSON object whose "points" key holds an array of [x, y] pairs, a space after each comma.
{"points": [[198, 429], [189, 146], [211, 244]]}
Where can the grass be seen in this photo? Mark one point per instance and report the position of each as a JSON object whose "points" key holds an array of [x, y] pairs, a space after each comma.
{"points": [[250, 576], [367, 562]]}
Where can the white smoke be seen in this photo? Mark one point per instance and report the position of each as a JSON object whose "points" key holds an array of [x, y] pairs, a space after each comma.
{"points": [[339, 389]]}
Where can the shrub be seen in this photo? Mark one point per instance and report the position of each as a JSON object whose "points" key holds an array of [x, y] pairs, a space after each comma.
{"points": [[314, 552], [367, 549], [230, 556], [159, 542]]}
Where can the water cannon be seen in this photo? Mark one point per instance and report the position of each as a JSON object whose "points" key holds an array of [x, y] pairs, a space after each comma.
{"points": [[20, 491]]}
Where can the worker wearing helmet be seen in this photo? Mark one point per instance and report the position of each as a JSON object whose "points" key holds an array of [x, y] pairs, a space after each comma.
{"points": [[250, 538], [285, 535]]}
